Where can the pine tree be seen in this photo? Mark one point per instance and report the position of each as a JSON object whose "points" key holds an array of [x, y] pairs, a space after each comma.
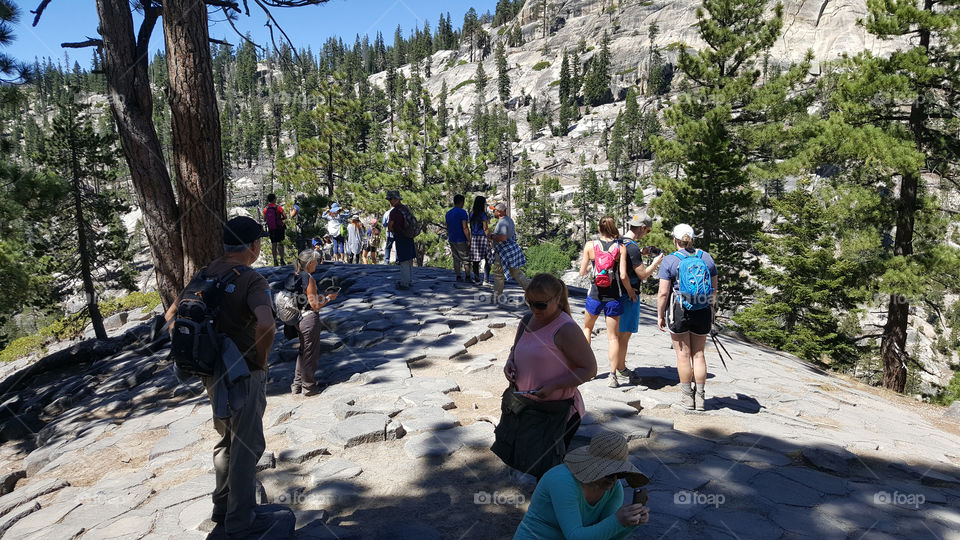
{"points": [[596, 89], [897, 117], [480, 77], [564, 78], [503, 78], [442, 113], [716, 194]]}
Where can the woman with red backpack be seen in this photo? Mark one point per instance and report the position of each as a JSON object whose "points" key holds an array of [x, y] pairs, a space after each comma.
{"points": [[606, 291]]}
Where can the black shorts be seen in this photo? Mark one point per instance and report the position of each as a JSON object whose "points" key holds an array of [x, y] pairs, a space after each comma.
{"points": [[276, 235], [681, 321]]}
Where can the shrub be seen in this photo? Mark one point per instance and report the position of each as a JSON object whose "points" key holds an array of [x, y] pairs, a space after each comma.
{"points": [[21, 347], [539, 66], [462, 63], [461, 85], [549, 257]]}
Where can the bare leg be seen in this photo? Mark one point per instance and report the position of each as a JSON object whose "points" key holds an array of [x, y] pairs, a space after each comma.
{"points": [[613, 339], [699, 360], [681, 345], [624, 339], [588, 322]]}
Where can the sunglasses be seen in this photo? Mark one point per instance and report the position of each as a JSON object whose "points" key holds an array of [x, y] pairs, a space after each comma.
{"points": [[539, 306]]}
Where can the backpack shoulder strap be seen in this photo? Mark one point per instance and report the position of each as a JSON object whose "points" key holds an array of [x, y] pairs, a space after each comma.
{"points": [[699, 253], [679, 254]]}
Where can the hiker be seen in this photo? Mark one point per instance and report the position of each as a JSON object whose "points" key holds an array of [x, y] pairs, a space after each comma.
{"points": [[273, 216], [507, 253], [308, 330], [583, 498], [632, 265], [371, 243], [389, 236], [458, 234], [246, 317], [548, 361], [335, 230], [479, 244], [688, 292], [354, 240], [606, 291], [406, 249]]}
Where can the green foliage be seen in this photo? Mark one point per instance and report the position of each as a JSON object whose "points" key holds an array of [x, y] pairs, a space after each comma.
{"points": [[951, 392], [462, 84], [540, 66], [462, 62], [596, 85], [553, 257], [503, 78]]}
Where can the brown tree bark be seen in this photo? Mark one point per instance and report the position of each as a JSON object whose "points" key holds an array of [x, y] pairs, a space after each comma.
{"points": [[195, 121], [131, 102]]}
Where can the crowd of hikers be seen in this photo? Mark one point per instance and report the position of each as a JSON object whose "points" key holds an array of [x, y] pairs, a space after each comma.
{"points": [[232, 311]]}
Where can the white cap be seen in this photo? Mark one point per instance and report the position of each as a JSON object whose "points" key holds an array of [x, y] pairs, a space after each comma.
{"points": [[682, 230]]}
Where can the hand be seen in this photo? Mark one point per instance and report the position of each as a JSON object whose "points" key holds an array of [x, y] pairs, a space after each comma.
{"points": [[657, 259], [633, 515], [543, 392], [661, 323], [632, 294], [510, 371]]}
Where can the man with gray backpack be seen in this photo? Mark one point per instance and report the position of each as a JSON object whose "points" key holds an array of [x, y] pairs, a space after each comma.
{"points": [[688, 290], [405, 227], [222, 329]]}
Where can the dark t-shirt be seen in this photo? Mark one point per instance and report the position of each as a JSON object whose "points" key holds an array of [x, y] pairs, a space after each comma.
{"points": [[396, 216], [670, 266], [634, 259], [455, 218], [237, 318]]}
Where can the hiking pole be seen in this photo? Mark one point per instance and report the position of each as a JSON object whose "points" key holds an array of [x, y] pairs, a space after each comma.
{"points": [[719, 346]]}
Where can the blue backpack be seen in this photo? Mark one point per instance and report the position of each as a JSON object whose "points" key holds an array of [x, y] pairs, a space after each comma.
{"points": [[694, 285]]}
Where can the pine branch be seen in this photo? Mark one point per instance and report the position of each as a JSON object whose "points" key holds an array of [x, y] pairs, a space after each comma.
{"points": [[90, 42], [237, 30], [39, 11]]}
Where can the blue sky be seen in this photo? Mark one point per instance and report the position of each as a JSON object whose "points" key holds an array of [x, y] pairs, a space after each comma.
{"points": [[66, 20]]}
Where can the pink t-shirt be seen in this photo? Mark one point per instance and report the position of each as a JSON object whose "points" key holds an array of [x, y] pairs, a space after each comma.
{"points": [[538, 360]]}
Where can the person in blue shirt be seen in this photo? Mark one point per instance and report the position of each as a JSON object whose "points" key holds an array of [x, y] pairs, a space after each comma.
{"points": [[582, 498], [458, 234], [688, 327]]}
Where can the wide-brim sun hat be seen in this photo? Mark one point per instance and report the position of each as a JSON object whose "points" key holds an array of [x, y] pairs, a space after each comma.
{"points": [[334, 207], [605, 455]]}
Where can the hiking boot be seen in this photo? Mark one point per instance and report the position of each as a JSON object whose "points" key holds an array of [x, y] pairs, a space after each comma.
{"points": [[685, 399], [312, 391], [614, 383], [295, 388], [625, 374], [699, 399], [265, 521]]}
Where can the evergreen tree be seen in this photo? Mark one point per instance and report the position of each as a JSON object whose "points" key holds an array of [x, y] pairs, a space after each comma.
{"points": [[808, 286], [596, 90], [715, 194], [86, 161], [564, 78], [480, 78], [896, 117], [591, 199], [442, 113], [503, 78]]}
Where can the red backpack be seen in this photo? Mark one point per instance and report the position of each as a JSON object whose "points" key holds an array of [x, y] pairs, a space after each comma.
{"points": [[604, 263], [274, 217]]}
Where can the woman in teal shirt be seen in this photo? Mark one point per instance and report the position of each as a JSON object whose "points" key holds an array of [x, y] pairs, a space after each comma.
{"points": [[582, 497]]}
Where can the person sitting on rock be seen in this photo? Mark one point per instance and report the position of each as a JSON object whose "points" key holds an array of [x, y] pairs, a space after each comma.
{"points": [[583, 498], [246, 317], [309, 327], [548, 361]]}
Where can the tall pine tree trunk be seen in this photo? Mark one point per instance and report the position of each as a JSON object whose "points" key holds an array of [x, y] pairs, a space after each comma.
{"points": [[894, 342], [131, 102], [195, 122], [83, 247]]}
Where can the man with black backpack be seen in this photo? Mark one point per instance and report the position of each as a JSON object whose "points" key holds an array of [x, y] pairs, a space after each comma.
{"points": [[405, 228], [238, 301], [274, 216]]}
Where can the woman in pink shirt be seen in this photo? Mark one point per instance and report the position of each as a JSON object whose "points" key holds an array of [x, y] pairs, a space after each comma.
{"points": [[550, 357]]}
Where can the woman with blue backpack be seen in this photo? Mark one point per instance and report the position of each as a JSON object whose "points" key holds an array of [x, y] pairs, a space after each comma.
{"points": [[688, 287], [606, 292]]}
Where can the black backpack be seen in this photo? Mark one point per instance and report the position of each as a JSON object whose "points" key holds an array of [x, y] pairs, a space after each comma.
{"points": [[195, 343]]}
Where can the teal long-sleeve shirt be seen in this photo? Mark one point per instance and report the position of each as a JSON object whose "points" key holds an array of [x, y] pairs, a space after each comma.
{"points": [[559, 511]]}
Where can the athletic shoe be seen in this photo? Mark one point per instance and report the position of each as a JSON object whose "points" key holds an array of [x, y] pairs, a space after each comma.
{"points": [[614, 383]]}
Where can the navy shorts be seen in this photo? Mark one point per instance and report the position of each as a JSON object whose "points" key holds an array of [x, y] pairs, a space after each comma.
{"points": [[610, 308]]}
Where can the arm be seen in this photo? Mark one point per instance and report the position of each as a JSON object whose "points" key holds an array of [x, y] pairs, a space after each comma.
{"points": [[663, 296], [510, 369], [466, 229], [624, 277], [317, 301], [585, 259], [170, 314], [569, 339], [566, 506], [645, 272], [264, 331]]}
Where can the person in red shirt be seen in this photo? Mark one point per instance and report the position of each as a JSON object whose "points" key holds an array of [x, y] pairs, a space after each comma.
{"points": [[273, 216]]}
